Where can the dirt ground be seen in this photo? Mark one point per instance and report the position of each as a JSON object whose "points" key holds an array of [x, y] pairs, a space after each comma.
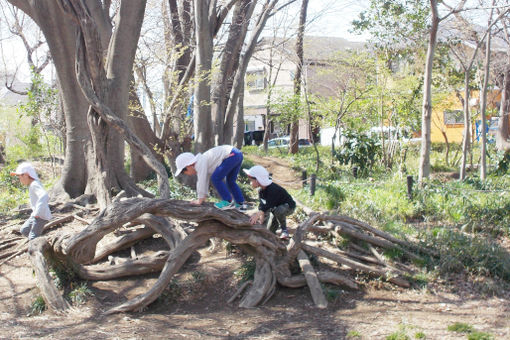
{"points": [[196, 306]]}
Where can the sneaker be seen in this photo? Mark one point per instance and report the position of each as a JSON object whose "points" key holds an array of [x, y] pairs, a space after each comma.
{"points": [[284, 235], [224, 205], [242, 207]]}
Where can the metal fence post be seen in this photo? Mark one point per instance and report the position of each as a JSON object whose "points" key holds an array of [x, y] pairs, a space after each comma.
{"points": [[303, 178], [355, 172], [410, 187]]}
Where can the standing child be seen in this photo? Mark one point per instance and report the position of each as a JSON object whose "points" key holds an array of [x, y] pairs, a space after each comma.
{"points": [[275, 202], [215, 165], [33, 227]]}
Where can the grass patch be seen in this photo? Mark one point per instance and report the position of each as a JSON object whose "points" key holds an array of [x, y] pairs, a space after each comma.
{"points": [[472, 334], [460, 327], [353, 335], [459, 251], [480, 336], [399, 335]]}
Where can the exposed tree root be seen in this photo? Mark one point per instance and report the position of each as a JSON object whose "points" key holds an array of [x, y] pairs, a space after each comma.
{"points": [[273, 259]]}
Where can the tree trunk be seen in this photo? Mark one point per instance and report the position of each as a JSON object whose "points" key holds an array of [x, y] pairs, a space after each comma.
{"points": [[202, 96], [139, 124], [223, 126], [483, 104], [238, 139], [245, 58], [294, 130], [466, 142], [61, 42], [502, 134], [424, 169]]}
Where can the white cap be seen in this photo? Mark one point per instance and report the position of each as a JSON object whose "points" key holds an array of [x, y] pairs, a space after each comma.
{"points": [[183, 160], [25, 168], [260, 174]]}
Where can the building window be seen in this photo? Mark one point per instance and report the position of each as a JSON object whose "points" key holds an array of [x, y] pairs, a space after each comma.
{"points": [[452, 117], [256, 80], [249, 125]]}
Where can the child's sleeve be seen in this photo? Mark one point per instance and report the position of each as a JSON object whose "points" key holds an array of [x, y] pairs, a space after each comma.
{"points": [[42, 201], [202, 179]]}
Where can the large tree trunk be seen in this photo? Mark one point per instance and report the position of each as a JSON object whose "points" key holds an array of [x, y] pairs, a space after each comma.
{"points": [[223, 129], [202, 96], [61, 42], [424, 168], [245, 58]]}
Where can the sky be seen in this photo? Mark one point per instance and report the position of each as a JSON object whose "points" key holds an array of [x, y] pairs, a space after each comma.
{"points": [[325, 17], [333, 18]]}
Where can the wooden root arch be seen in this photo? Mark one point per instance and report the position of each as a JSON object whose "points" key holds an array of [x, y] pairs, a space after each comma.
{"points": [[273, 258]]}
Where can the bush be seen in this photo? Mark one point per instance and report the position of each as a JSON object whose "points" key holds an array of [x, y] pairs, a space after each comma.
{"points": [[247, 270], [359, 150], [13, 192], [80, 294], [38, 306]]}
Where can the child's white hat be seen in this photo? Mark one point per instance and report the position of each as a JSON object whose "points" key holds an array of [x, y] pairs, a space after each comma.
{"points": [[260, 174], [25, 168], [183, 160]]}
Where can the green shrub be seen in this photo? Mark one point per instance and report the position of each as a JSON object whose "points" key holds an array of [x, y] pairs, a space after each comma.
{"points": [[247, 270], [38, 306], [358, 150], [62, 276], [80, 294], [13, 192]]}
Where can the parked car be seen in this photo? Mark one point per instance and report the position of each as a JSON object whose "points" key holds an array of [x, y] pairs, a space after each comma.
{"points": [[280, 142], [283, 142]]}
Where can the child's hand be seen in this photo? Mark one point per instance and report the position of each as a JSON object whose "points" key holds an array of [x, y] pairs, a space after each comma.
{"points": [[257, 218], [198, 201]]}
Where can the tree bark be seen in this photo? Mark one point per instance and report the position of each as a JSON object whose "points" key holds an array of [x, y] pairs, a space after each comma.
{"points": [[483, 104], [503, 134], [202, 96], [294, 129], [229, 65], [245, 58], [61, 42], [424, 168]]}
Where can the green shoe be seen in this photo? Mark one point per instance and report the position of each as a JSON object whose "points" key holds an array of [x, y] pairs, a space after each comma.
{"points": [[224, 205]]}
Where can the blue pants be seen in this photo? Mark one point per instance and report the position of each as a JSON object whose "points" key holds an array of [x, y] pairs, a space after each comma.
{"points": [[228, 170], [33, 227]]}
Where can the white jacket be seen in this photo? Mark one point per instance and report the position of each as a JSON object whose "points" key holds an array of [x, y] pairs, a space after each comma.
{"points": [[39, 201], [206, 164]]}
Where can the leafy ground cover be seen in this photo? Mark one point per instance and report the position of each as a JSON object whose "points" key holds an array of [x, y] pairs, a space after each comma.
{"points": [[468, 286]]}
